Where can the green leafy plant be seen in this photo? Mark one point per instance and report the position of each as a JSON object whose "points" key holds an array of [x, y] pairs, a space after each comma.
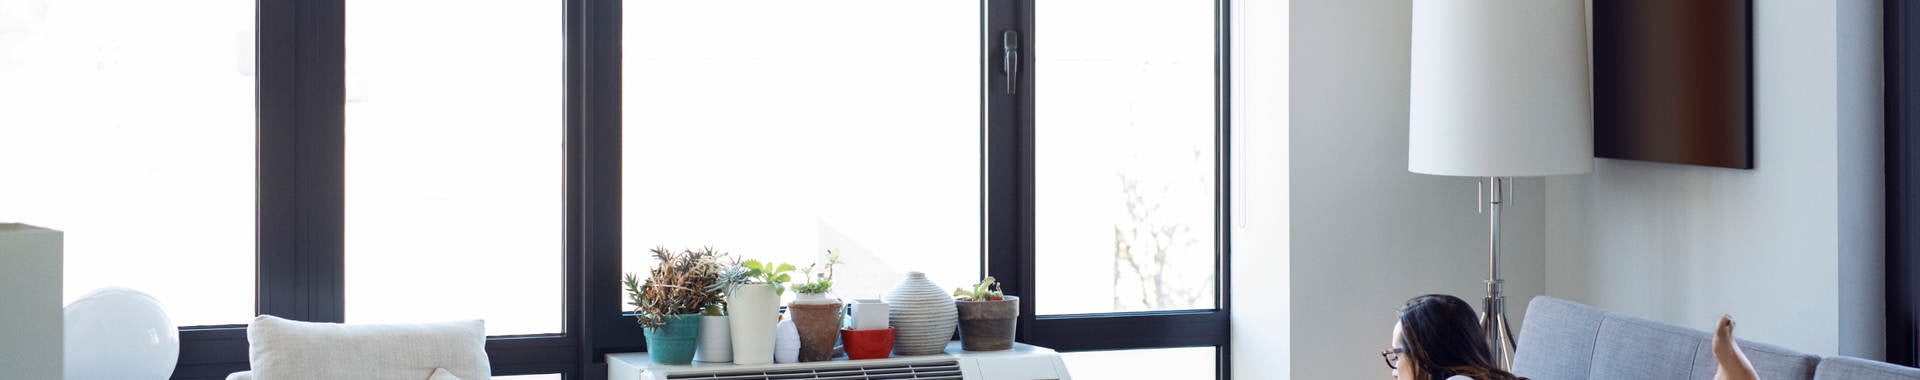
{"points": [[819, 283], [986, 290], [679, 283], [754, 272]]}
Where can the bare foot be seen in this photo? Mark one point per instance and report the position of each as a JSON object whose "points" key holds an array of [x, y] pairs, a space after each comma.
{"points": [[1726, 351]]}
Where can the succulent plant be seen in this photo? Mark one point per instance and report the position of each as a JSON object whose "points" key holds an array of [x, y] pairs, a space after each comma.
{"points": [[753, 272], [820, 283], [986, 290]]}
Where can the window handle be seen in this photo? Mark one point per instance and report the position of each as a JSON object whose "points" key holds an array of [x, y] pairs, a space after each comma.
{"points": [[1010, 58]]}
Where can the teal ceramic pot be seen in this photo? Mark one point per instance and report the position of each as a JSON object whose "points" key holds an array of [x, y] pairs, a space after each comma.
{"points": [[674, 343]]}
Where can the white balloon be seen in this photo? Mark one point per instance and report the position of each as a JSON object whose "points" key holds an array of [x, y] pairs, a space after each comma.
{"points": [[119, 334]]}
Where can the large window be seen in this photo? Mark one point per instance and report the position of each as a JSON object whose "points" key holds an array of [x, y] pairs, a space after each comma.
{"points": [[752, 137], [416, 160], [1125, 144], [129, 125], [455, 164], [1106, 177]]}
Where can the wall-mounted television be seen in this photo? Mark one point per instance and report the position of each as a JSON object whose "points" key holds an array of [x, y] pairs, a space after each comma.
{"points": [[1672, 81]]}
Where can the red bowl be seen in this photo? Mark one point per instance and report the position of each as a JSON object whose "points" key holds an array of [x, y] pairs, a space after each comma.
{"points": [[868, 344]]}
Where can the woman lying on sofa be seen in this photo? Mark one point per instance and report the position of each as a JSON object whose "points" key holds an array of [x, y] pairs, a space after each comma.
{"points": [[1438, 337]]}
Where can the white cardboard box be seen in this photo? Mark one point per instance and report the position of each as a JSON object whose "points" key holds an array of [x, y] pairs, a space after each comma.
{"points": [[30, 302]]}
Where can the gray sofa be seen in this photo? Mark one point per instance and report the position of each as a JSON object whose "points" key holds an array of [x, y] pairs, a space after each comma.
{"points": [[1566, 340]]}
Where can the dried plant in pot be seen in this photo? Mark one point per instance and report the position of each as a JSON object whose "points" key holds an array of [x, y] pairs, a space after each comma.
{"points": [[668, 303], [987, 316], [816, 314]]}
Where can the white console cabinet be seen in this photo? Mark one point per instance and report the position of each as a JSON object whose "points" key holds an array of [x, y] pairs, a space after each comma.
{"points": [[1023, 362]]}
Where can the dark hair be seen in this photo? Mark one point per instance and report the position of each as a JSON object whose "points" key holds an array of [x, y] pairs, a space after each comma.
{"points": [[1442, 336]]}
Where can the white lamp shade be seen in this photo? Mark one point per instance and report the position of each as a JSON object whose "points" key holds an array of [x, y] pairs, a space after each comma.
{"points": [[1500, 88]]}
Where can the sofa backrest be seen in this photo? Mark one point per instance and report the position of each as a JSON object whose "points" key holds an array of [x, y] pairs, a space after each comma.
{"points": [[1566, 340], [1862, 369]]}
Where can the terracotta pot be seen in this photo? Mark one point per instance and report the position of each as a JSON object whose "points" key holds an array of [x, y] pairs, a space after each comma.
{"points": [[868, 344], [988, 325], [819, 325]]}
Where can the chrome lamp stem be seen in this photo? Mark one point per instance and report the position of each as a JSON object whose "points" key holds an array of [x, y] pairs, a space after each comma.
{"points": [[1493, 317]]}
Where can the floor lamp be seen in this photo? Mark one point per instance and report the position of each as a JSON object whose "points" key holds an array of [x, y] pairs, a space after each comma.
{"points": [[1499, 89]]}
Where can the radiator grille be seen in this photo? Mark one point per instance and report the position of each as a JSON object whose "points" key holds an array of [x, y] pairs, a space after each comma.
{"points": [[941, 370]]}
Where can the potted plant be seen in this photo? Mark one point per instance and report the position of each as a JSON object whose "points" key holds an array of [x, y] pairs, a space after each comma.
{"points": [[987, 316], [753, 290], [669, 302], [816, 315], [716, 344], [869, 336]]}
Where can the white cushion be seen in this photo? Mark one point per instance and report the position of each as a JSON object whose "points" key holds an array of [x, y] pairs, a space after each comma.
{"points": [[442, 374], [281, 349], [438, 374]]}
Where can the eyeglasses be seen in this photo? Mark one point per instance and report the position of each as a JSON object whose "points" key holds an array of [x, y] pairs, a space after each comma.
{"points": [[1392, 356]]}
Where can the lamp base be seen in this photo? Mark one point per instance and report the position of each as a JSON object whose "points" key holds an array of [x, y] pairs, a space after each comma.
{"points": [[1493, 322]]}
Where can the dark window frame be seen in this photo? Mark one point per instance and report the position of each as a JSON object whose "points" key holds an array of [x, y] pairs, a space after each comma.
{"points": [[1009, 207], [1901, 46], [300, 203], [300, 270]]}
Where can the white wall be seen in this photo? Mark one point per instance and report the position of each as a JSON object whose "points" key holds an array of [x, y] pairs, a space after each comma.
{"points": [[1366, 234], [1260, 268], [1789, 248]]}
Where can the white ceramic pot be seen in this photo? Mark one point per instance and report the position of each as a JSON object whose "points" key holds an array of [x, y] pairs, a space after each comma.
{"points": [[923, 316], [752, 313], [813, 298], [716, 346], [786, 346], [869, 314]]}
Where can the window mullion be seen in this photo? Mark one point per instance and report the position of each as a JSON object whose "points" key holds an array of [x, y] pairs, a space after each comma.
{"points": [[1007, 147], [301, 122], [300, 98], [594, 118]]}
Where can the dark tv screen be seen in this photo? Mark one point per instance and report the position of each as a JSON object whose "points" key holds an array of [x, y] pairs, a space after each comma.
{"points": [[1671, 81]]}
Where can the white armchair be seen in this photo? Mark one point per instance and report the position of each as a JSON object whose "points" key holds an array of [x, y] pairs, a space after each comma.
{"points": [[280, 349]]}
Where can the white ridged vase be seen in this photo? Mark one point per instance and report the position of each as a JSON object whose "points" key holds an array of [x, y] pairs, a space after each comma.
{"points": [[923, 316]]}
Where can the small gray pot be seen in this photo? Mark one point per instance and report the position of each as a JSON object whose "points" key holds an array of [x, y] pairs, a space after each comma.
{"points": [[988, 325]]}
